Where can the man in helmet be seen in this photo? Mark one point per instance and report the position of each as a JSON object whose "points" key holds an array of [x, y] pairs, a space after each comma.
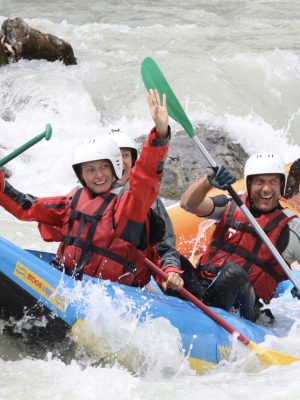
{"points": [[164, 253], [237, 269], [102, 234]]}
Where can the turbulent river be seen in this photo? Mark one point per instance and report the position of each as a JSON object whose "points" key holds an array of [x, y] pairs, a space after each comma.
{"points": [[235, 66]]}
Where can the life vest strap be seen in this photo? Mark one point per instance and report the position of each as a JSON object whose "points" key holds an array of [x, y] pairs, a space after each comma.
{"points": [[87, 251], [240, 226], [247, 256]]}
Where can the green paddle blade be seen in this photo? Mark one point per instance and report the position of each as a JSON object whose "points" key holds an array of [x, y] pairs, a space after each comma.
{"points": [[154, 79]]}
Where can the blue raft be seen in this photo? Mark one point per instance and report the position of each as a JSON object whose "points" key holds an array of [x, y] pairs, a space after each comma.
{"points": [[30, 284]]}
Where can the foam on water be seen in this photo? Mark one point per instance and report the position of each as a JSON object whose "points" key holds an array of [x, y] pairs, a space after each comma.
{"points": [[52, 379], [119, 332], [234, 66]]}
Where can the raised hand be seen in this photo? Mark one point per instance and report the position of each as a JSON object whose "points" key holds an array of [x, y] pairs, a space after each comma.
{"points": [[159, 112]]}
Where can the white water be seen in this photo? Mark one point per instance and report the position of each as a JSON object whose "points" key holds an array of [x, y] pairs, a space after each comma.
{"points": [[234, 65]]}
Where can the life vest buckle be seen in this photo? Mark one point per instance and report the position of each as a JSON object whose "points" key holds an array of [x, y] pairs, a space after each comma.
{"points": [[131, 268]]}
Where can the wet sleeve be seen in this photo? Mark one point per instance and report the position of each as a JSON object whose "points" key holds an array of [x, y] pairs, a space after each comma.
{"points": [[292, 251], [144, 182], [2, 180], [166, 249], [26, 207], [220, 204]]}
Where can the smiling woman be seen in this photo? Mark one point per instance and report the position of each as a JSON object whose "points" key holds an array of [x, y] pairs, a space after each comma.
{"points": [[97, 175], [97, 162], [102, 233]]}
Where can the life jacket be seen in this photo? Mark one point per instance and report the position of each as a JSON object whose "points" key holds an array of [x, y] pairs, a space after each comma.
{"points": [[234, 240], [90, 246]]}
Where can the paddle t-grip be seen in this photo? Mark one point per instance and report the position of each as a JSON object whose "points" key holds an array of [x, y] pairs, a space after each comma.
{"points": [[47, 135]]}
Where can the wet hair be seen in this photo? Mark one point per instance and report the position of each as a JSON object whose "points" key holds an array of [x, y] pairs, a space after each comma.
{"points": [[133, 153], [133, 156]]}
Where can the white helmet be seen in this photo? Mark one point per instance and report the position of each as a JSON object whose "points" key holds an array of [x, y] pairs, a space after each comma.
{"points": [[98, 148], [123, 140], [265, 163]]}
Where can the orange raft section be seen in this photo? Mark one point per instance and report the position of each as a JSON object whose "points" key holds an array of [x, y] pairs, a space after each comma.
{"points": [[193, 233]]}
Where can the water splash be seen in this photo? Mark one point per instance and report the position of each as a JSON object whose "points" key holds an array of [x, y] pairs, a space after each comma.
{"points": [[118, 331]]}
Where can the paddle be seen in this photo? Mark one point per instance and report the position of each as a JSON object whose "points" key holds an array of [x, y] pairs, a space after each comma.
{"points": [[154, 79], [25, 146], [266, 357]]}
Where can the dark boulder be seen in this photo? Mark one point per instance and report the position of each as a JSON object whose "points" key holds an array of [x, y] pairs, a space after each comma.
{"points": [[185, 162], [32, 44]]}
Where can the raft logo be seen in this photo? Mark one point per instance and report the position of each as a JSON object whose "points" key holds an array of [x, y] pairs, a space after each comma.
{"points": [[224, 352], [40, 286]]}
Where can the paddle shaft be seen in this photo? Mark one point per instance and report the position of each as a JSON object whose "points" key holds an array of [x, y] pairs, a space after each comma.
{"points": [[261, 233], [154, 79], [198, 303], [27, 145]]}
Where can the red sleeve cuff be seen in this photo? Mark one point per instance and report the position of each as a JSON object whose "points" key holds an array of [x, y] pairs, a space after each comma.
{"points": [[153, 138], [172, 268], [2, 175]]}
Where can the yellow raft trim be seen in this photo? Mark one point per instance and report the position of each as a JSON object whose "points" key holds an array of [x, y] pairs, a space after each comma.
{"points": [[200, 366], [40, 286], [89, 341]]}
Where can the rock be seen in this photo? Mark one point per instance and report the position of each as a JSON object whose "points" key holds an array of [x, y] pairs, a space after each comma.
{"points": [[185, 162], [32, 44]]}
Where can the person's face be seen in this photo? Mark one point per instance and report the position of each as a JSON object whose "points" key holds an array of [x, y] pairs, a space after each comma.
{"points": [[98, 175], [265, 191], [127, 165]]}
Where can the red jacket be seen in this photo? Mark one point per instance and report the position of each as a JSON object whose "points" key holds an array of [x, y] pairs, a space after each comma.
{"points": [[234, 240], [122, 229]]}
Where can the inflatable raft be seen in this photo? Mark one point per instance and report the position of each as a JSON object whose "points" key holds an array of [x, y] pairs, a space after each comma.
{"points": [[31, 286]]}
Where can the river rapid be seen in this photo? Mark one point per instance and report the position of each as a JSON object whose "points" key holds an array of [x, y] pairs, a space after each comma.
{"points": [[235, 66]]}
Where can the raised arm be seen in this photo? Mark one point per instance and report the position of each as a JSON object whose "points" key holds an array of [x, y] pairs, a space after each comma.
{"points": [[159, 113], [25, 207], [195, 199], [146, 175]]}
